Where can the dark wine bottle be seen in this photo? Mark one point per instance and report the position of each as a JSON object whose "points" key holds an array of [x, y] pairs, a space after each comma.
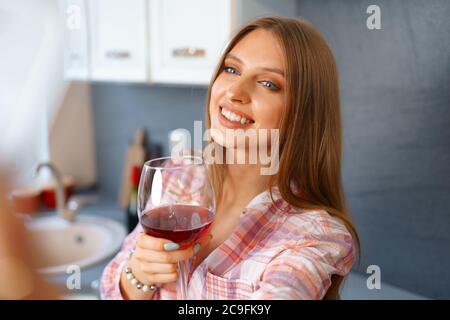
{"points": [[132, 214]]}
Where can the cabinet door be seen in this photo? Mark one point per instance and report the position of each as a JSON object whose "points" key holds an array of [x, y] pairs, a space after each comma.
{"points": [[186, 39], [76, 51], [118, 40]]}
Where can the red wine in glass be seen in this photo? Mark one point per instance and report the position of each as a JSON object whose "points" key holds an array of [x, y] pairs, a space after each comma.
{"points": [[182, 224]]}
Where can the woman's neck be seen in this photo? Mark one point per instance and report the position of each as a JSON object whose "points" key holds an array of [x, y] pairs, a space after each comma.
{"points": [[242, 183]]}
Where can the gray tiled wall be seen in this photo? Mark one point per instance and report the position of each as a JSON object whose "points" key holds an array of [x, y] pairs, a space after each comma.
{"points": [[396, 108], [119, 109]]}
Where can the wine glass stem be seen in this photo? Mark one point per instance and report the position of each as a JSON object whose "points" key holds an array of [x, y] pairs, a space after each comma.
{"points": [[182, 283]]}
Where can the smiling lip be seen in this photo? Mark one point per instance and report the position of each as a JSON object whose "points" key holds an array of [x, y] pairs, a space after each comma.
{"points": [[242, 114], [231, 124]]}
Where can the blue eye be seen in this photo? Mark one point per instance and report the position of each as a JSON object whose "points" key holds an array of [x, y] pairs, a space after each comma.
{"points": [[230, 70], [270, 85]]}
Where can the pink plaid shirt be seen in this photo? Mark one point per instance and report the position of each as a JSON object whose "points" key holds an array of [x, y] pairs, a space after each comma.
{"points": [[276, 252]]}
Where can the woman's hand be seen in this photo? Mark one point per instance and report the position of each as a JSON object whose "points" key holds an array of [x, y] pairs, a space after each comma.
{"points": [[155, 260]]}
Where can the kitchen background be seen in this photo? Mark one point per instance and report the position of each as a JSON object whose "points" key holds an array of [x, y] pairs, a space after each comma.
{"points": [[395, 102]]}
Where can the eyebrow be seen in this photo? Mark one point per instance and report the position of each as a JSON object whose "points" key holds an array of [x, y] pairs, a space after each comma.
{"points": [[275, 70]]}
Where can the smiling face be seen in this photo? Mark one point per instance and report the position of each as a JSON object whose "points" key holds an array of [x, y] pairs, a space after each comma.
{"points": [[249, 90]]}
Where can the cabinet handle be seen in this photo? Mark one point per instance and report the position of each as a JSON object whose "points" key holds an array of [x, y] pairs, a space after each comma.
{"points": [[189, 52], [117, 54]]}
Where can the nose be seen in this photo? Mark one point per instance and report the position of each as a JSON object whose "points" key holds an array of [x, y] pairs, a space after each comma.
{"points": [[239, 91]]}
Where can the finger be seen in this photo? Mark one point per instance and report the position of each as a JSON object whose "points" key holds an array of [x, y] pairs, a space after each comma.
{"points": [[151, 267], [153, 256], [162, 277], [158, 244], [201, 243]]}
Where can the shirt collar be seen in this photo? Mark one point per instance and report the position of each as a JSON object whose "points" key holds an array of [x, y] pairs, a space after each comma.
{"points": [[263, 201]]}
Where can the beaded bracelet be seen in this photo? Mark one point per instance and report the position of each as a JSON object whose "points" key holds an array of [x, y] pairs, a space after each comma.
{"points": [[140, 286]]}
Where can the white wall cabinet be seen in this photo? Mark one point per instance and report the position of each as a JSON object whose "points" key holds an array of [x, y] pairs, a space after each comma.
{"points": [[186, 38], [118, 40], [159, 41]]}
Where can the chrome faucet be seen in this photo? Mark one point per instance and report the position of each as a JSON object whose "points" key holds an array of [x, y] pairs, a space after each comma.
{"points": [[74, 204]]}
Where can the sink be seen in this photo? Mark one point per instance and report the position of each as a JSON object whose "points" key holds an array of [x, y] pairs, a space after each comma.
{"points": [[60, 244]]}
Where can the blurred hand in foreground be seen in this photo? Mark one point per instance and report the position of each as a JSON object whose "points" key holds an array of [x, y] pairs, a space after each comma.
{"points": [[18, 276]]}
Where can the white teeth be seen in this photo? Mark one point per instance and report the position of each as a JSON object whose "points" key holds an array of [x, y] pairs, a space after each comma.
{"points": [[234, 117]]}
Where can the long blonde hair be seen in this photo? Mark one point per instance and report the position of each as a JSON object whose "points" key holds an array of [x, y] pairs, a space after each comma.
{"points": [[310, 129]]}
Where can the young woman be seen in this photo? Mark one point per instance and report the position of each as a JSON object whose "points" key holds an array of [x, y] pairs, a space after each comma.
{"points": [[282, 236]]}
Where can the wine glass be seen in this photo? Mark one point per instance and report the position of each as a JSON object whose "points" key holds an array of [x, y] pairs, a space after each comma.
{"points": [[176, 202]]}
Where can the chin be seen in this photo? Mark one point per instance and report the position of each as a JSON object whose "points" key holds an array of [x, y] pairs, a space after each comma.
{"points": [[218, 136]]}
